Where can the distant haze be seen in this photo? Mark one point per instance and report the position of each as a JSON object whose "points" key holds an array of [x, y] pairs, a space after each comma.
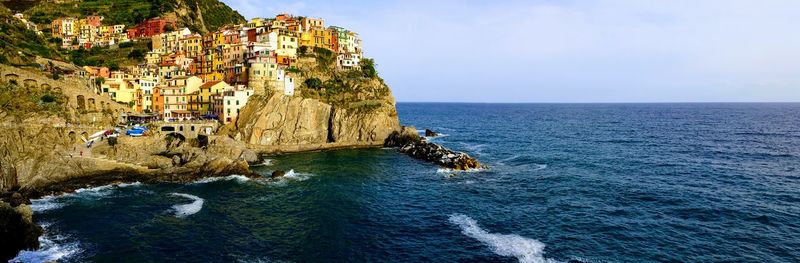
{"points": [[573, 50]]}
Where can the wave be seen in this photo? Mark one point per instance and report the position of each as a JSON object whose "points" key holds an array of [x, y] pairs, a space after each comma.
{"points": [[291, 175], [192, 208], [524, 249], [104, 190], [52, 202], [267, 162], [474, 148], [53, 248], [45, 204], [520, 161], [237, 178]]}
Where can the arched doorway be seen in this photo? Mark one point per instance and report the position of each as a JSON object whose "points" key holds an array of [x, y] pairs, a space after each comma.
{"points": [[81, 102]]}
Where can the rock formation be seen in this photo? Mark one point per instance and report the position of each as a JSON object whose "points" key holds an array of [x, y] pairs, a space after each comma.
{"points": [[410, 143], [17, 230], [430, 133]]}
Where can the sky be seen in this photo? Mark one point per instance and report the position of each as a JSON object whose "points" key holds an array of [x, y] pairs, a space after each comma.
{"points": [[571, 50]]}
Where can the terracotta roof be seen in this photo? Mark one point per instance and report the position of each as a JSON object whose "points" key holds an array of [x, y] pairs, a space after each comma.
{"points": [[209, 84]]}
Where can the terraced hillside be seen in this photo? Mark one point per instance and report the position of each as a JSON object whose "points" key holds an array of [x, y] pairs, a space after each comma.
{"points": [[198, 15]]}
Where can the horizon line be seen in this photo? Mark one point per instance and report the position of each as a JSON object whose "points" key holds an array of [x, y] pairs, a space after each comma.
{"points": [[621, 102]]}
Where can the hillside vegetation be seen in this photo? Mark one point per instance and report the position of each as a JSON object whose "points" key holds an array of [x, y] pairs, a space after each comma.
{"points": [[361, 88], [198, 15], [19, 46], [126, 54]]}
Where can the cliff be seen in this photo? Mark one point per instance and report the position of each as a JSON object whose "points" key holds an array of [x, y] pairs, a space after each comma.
{"points": [[330, 109]]}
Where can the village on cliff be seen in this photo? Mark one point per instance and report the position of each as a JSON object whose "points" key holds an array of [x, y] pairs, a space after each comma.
{"points": [[189, 76]]}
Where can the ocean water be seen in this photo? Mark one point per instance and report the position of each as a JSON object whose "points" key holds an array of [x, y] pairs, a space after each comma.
{"points": [[567, 182]]}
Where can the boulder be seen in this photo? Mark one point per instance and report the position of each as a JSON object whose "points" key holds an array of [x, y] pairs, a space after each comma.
{"points": [[430, 133], [17, 231], [17, 199], [278, 174]]}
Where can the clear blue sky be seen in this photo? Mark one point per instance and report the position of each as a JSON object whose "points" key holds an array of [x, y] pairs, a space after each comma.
{"points": [[571, 50]]}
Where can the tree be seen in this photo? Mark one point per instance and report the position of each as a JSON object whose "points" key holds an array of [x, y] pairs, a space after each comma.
{"points": [[113, 66], [302, 50], [99, 81], [169, 28], [368, 68], [313, 83], [137, 54]]}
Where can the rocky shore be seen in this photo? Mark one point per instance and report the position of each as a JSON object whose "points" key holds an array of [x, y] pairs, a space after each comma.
{"points": [[17, 229], [411, 144]]}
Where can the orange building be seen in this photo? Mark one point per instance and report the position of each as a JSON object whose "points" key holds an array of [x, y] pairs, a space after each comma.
{"points": [[158, 100]]}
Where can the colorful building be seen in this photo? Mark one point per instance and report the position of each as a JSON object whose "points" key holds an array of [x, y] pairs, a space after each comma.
{"points": [[151, 27]]}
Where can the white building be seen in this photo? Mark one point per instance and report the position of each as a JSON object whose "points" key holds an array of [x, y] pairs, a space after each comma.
{"points": [[228, 106]]}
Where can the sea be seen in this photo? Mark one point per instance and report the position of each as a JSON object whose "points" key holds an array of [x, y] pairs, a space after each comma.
{"points": [[701, 182]]}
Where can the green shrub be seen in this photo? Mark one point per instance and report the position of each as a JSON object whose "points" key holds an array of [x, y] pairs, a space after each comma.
{"points": [[125, 44], [313, 83], [368, 68], [48, 98]]}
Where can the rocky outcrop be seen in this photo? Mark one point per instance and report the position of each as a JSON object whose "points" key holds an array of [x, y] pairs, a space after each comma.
{"points": [[281, 123], [410, 143], [17, 230], [430, 133], [41, 160]]}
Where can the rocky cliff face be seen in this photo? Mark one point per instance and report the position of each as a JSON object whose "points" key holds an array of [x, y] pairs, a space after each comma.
{"points": [[346, 108], [283, 121]]}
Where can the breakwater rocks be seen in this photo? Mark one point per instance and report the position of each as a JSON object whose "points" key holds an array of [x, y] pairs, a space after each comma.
{"points": [[411, 144]]}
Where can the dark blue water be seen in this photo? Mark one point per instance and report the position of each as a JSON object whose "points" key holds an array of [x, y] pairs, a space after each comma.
{"points": [[588, 182]]}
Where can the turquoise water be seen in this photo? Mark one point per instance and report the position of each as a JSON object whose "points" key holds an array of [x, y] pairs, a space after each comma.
{"points": [[585, 182]]}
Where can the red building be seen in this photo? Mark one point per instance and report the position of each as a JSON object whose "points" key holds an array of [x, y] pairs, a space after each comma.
{"points": [[151, 27], [94, 21]]}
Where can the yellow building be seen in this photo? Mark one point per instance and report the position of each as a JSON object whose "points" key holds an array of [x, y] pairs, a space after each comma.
{"points": [[313, 38], [256, 22], [192, 45], [287, 44], [201, 101]]}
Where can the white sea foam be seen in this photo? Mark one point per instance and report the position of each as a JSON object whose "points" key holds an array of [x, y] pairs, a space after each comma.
{"points": [[101, 191], [237, 178], [295, 176], [185, 210], [266, 162], [51, 202], [52, 248], [524, 249], [540, 167], [45, 204], [451, 171], [291, 175]]}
